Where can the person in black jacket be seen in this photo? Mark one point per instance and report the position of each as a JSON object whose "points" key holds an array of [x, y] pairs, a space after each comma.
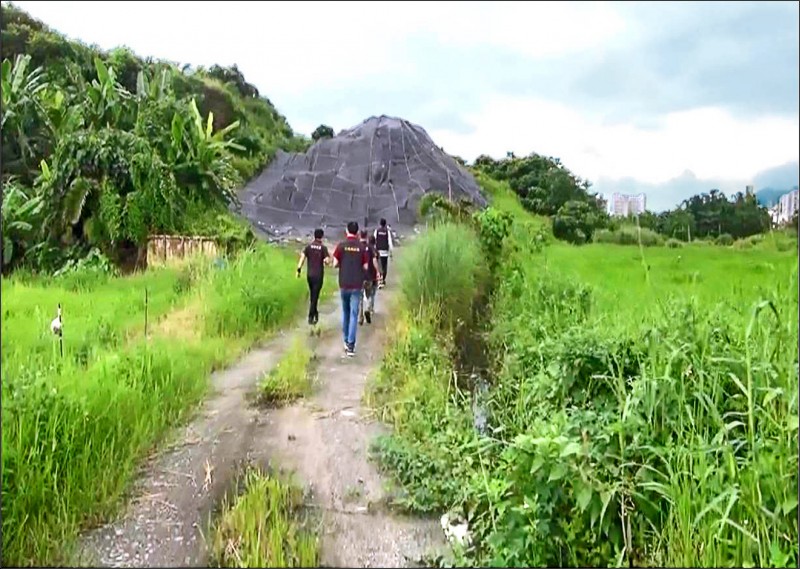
{"points": [[384, 245], [370, 280], [317, 255]]}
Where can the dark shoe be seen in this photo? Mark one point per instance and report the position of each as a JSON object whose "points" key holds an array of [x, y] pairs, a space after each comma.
{"points": [[368, 316]]}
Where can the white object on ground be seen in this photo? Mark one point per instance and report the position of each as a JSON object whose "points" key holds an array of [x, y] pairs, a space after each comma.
{"points": [[456, 532]]}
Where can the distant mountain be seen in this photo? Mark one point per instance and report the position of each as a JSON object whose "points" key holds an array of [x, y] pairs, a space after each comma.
{"points": [[770, 196]]}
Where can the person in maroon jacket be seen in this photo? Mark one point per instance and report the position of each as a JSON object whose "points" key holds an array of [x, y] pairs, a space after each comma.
{"points": [[352, 259]]}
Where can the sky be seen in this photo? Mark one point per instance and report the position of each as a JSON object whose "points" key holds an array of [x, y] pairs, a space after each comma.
{"points": [[668, 98]]}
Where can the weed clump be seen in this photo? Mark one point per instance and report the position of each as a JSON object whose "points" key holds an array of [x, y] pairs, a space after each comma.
{"points": [[264, 527], [291, 378]]}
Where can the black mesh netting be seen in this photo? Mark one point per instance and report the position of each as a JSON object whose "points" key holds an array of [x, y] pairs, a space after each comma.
{"points": [[378, 169]]}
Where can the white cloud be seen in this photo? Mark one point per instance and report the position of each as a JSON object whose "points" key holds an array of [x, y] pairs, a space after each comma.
{"points": [[708, 141], [293, 49]]}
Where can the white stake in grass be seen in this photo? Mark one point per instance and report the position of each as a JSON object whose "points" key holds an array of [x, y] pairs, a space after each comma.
{"points": [[57, 329]]}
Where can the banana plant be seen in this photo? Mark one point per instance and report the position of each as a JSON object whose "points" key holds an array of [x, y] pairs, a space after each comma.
{"points": [[20, 215], [156, 87], [200, 155], [24, 122], [106, 96]]}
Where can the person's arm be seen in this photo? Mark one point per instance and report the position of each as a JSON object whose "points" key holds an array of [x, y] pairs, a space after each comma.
{"points": [[337, 255], [300, 262], [377, 265], [391, 243], [365, 258], [326, 257]]}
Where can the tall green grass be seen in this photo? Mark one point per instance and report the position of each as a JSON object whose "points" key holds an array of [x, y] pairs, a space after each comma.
{"points": [[641, 410], [75, 428], [443, 271]]}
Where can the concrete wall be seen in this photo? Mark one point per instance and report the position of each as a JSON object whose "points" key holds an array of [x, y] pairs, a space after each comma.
{"points": [[166, 249]]}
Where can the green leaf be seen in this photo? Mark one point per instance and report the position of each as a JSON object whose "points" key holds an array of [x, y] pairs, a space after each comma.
{"points": [[8, 250], [557, 473], [141, 84], [570, 449], [790, 505], [102, 71], [75, 199], [583, 496]]}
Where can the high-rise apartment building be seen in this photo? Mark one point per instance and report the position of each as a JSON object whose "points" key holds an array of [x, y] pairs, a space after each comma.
{"points": [[787, 207], [624, 205]]}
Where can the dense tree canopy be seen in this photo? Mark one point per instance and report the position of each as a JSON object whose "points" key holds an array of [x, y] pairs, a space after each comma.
{"points": [[546, 187], [103, 149]]}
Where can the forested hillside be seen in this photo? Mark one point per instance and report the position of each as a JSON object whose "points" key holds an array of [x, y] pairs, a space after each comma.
{"points": [[101, 149]]}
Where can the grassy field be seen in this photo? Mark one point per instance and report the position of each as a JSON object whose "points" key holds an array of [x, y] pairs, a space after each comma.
{"points": [[629, 281], [637, 409], [75, 428]]}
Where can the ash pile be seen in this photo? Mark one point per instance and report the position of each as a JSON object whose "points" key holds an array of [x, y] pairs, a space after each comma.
{"points": [[378, 169]]}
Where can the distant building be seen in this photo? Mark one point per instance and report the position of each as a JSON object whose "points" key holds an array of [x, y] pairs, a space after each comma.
{"points": [[623, 205], [786, 208]]}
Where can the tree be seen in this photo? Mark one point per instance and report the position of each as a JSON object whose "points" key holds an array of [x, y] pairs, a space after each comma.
{"points": [[322, 131], [576, 222]]}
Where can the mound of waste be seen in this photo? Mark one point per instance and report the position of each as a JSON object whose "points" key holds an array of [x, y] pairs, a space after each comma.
{"points": [[378, 169]]}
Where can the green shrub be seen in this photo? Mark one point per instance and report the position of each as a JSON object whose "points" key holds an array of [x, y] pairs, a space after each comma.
{"points": [[674, 243], [629, 235], [724, 240]]}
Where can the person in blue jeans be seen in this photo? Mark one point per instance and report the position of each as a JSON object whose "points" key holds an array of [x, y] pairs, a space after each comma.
{"points": [[351, 256]]}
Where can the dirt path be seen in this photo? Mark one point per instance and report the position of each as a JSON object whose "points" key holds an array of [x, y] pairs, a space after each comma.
{"points": [[324, 440]]}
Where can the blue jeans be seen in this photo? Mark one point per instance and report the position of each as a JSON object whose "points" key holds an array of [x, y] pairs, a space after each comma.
{"points": [[351, 301]]}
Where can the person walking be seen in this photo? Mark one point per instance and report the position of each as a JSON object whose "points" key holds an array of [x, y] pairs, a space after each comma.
{"points": [[352, 259], [384, 245], [317, 255], [370, 280]]}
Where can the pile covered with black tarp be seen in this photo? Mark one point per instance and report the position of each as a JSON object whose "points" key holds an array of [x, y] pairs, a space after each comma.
{"points": [[378, 169]]}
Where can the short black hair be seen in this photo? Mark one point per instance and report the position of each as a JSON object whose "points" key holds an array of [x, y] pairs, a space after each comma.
{"points": [[372, 240], [318, 233], [383, 222], [363, 234], [352, 228]]}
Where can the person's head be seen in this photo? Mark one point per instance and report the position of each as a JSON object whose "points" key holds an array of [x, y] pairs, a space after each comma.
{"points": [[318, 233], [363, 234], [372, 240], [352, 228], [383, 222]]}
